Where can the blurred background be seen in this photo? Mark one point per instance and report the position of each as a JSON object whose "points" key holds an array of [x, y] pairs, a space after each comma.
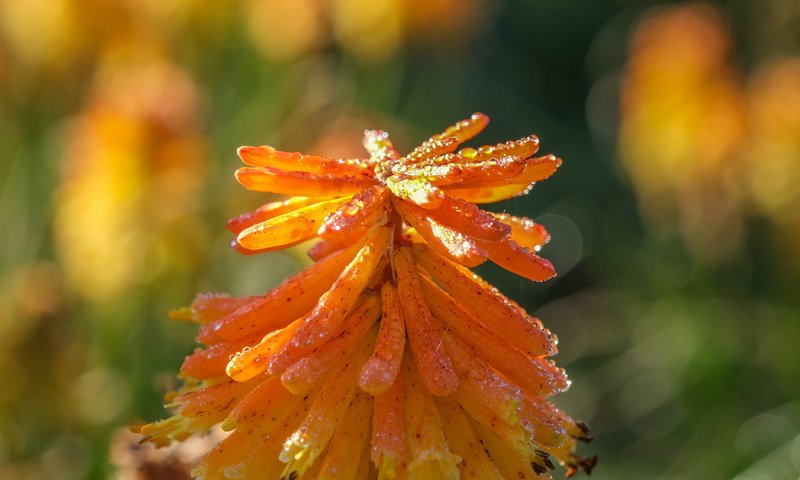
{"points": [[675, 217]]}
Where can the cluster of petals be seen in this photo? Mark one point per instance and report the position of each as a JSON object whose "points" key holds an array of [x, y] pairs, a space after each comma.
{"points": [[387, 357]]}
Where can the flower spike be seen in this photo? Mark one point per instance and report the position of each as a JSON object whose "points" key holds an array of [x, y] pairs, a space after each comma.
{"points": [[387, 357]]}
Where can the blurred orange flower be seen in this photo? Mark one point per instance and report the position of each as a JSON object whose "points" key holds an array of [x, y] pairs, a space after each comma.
{"points": [[313, 379]]}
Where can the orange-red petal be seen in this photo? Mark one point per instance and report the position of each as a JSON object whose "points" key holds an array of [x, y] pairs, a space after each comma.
{"points": [[268, 179]]}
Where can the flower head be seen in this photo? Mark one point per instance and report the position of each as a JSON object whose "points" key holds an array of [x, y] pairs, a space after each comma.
{"points": [[313, 379]]}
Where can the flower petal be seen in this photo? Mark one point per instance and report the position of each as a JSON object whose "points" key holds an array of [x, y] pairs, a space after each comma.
{"points": [[524, 370], [269, 210], [429, 455], [362, 211], [514, 258], [388, 434], [289, 228], [465, 129], [324, 320], [524, 147], [446, 241], [268, 179], [302, 375], [379, 372], [492, 309], [525, 232], [253, 360], [208, 307], [511, 462], [347, 444], [210, 362], [268, 397], [432, 148], [415, 190], [424, 333], [482, 382], [266, 156], [309, 440], [293, 298], [464, 441], [469, 220]]}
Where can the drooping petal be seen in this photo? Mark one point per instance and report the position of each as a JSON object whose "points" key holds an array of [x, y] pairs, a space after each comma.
{"points": [[309, 440], [388, 434], [242, 453], [482, 382], [493, 310], [522, 369], [196, 411], [293, 298], [424, 332], [464, 442], [269, 397], [214, 403], [324, 320], [210, 362], [379, 372], [303, 375], [347, 445], [511, 462], [429, 455]]}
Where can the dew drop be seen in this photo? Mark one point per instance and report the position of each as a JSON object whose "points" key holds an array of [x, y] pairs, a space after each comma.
{"points": [[234, 471], [349, 209]]}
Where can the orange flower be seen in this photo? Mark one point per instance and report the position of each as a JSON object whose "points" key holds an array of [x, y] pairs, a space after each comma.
{"points": [[296, 374]]}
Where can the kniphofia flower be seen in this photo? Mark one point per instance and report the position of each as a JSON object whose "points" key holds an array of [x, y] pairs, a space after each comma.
{"points": [[387, 357]]}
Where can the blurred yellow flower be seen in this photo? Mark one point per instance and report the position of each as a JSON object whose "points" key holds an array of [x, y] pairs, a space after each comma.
{"points": [[370, 30], [133, 164], [683, 118], [701, 150], [313, 379], [773, 154]]}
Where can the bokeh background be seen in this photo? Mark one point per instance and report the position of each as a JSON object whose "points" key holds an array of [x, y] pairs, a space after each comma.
{"points": [[675, 217]]}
